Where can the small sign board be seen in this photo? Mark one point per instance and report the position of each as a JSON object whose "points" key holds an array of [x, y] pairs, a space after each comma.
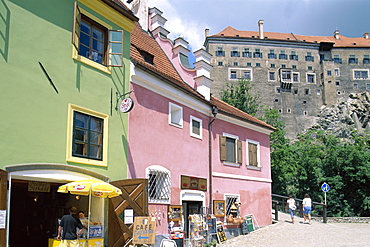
{"points": [[221, 236], [2, 219], [37, 186], [144, 230], [325, 187], [129, 216]]}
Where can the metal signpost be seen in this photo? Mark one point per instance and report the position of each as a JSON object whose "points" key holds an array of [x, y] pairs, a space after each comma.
{"points": [[325, 187]]}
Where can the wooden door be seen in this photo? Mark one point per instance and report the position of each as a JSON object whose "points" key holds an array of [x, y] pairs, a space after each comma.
{"points": [[134, 196], [3, 203]]}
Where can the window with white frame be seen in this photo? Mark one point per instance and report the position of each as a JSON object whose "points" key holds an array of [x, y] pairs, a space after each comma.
{"points": [[175, 115], [336, 72], [230, 200], [231, 149], [311, 78], [295, 77], [233, 74], [360, 74], [196, 127], [286, 75], [253, 153], [159, 184]]}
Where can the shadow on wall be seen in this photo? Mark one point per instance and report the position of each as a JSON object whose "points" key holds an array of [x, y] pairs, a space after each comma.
{"points": [[4, 30]]}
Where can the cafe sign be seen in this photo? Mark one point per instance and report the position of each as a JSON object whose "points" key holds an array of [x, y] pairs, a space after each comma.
{"points": [[37, 186]]}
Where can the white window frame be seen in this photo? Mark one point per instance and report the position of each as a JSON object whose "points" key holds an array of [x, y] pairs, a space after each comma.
{"points": [[175, 115], [314, 78], [336, 72], [228, 163], [354, 71], [288, 71], [318, 92], [239, 73], [200, 136], [159, 169], [258, 167]]}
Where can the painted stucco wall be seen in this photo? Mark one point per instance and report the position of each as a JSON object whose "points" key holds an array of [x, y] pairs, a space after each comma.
{"points": [[34, 123], [253, 186]]}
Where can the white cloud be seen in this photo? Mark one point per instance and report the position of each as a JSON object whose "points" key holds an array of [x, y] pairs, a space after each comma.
{"points": [[180, 24]]}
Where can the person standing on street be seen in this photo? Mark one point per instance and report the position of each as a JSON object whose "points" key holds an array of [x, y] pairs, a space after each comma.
{"points": [[67, 229], [307, 208], [290, 203]]}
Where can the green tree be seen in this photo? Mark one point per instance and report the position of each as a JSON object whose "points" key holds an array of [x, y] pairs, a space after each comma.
{"points": [[239, 95]]}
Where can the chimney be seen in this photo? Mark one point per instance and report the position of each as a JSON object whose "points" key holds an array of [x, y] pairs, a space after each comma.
{"points": [[366, 35], [206, 32], [336, 34], [260, 28]]}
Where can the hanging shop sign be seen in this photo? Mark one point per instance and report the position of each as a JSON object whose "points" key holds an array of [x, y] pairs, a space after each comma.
{"points": [[126, 105], [193, 183]]}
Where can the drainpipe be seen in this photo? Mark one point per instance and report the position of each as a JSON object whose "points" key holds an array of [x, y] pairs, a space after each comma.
{"points": [[214, 112]]}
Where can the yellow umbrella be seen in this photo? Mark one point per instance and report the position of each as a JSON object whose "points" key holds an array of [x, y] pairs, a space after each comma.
{"points": [[93, 186]]}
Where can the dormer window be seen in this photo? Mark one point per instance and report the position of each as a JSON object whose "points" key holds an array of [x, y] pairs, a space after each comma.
{"points": [[148, 58]]}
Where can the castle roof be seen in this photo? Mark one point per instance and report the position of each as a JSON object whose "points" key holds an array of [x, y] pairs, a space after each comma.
{"points": [[342, 41], [143, 45]]}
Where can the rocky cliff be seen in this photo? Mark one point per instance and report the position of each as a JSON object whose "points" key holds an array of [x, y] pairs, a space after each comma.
{"points": [[346, 116]]}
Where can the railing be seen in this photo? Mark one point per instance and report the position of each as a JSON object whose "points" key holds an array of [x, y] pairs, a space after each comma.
{"points": [[279, 204]]}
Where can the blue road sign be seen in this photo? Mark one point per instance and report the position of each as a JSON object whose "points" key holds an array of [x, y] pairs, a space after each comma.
{"points": [[325, 187]]}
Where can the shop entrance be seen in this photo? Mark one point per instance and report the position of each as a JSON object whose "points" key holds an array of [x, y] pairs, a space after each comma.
{"points": [[33, 215], [189, 208]]}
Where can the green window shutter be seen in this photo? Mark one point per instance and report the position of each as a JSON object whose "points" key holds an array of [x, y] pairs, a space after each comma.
{"points": [[76, 27], [115, 48], [240, 151], [223, 148]]}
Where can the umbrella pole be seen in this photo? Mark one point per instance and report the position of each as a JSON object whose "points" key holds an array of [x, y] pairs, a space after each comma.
{"points": [[89, 219]]}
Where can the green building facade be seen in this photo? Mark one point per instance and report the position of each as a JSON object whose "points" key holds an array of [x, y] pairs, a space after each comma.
{"points": [[64, 71]]}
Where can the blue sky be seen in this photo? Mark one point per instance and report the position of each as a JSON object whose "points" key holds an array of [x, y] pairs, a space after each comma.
{"points": [[189, 18]]}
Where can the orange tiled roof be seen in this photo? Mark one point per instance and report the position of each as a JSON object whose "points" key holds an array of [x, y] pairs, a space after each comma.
{"points": [[341, 42], [231, 110], [142, 41]]}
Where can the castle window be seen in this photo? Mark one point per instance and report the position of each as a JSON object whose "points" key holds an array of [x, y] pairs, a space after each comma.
{"points": [[336, 72], [337, 59], [328, 72], [366, 59], [233, 74], [282, 55], [352, 59], [360, 74], [272, 76], [220, 64], [310, 78], [220, 52], [355, 86]]}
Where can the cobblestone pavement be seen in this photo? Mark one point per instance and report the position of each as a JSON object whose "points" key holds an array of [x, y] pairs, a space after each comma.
{"points": [[284, 233]]}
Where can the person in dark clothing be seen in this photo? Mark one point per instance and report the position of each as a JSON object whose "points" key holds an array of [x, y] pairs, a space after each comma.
{"points": [[67, 229]]}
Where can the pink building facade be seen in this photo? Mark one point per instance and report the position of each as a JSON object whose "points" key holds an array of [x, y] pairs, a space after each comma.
{"points": [[193, 148]]}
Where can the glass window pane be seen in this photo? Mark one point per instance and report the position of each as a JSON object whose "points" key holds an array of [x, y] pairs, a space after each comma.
{"points": [[95, 138], [85, 27], [115, 36], [230, 149], [196, 127], [96, 124], [94, 152], [116, 47], [79, 149], [80, 120], [98, 34], [80, 135]]}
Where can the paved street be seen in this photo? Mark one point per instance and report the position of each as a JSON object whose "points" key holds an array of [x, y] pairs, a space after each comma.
{"points": [[284, 233]]}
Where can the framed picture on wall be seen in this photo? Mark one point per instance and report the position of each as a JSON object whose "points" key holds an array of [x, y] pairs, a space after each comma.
{"points": [[174, 212], [219, 208]]}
